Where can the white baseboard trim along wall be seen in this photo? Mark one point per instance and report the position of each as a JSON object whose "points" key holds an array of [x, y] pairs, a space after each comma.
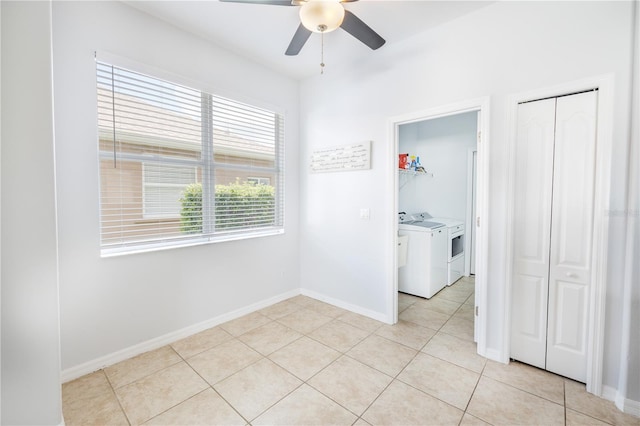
{"points": [[149, 345], [626, 405], [349, 307], [115, 357]]}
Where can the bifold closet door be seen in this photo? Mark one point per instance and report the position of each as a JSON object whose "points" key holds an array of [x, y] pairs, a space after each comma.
{"points": [[571, 235], [555, 169], [532, 235]]}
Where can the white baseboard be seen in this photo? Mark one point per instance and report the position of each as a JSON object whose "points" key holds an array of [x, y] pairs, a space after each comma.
{"points": [[115, 357], [348, 306], [630, 407], [625, 405], [494, 355]]}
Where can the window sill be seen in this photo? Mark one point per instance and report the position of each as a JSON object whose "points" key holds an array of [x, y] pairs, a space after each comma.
{"points": [[196, 241]]}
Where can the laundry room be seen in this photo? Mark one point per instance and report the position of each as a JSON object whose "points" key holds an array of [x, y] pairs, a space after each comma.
{"points": [[436, 202]]}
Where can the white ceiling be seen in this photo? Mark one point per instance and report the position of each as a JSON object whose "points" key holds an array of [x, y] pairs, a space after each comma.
{"points": [[263, 32]]}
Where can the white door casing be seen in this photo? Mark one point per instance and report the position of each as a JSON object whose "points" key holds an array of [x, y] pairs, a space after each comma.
{"points": [[471, 251], [474, 195], [470, 219], [472, 263], [482, 105]]}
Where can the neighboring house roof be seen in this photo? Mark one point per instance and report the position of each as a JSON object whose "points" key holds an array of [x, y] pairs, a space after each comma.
{"points": [[142, 123]]}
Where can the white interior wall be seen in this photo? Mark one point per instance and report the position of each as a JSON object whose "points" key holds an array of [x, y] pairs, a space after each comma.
{"points": [[108, 305], [629, 389], [505, 48], [442, 145], [102, 297], [30, 335], [1, 211]]}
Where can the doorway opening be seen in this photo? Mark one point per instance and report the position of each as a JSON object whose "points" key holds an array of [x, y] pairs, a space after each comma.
{"points": [[467, 205]]}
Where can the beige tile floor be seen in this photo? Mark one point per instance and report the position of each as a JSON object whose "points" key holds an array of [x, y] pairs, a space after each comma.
{"points": [[304, 362]]}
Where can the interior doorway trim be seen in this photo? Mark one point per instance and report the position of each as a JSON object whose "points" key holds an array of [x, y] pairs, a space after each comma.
{"points": [[604, 135], [470, 217], [482, 106]]}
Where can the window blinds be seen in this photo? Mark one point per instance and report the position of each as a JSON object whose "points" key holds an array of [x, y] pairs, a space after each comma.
{"points": [[181, 166]]}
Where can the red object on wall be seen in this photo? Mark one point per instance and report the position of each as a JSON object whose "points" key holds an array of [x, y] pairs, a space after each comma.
{"points": [[403, 160]]}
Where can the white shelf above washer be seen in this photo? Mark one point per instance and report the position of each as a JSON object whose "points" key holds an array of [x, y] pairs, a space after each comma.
{"points": [[414, 173]]}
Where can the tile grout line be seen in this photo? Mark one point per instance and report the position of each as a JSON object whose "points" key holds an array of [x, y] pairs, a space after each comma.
{"points": [[433, 396], [182, 360], [276, 402], [564, 400], [564, 381], [342, 354], [113, 391], [345, 354], [394, 378], [303, 382], [210, 386], [480, 376], [146, 376], [525, 391], [306, 382], [420, 351]]}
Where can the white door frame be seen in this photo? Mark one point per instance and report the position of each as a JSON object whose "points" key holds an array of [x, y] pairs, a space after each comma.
{"points": [[469, 219], [478, 104], [595, 344]]}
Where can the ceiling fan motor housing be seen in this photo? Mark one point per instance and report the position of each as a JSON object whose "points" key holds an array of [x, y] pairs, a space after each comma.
{"points": [[321, 16]]}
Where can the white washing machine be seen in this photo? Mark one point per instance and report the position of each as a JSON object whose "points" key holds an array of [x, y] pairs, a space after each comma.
{"points": [[425, 272]]}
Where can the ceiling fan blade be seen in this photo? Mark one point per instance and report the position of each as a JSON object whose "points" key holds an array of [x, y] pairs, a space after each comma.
{"points": [[272, 2], [354, 26], [299, 39]]}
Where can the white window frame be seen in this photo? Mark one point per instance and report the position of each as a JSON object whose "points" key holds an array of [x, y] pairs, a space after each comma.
{"points": [[206, 178]]}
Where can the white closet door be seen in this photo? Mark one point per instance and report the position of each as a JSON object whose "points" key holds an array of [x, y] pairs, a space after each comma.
{"points": [[571, 235], [532, 215]]}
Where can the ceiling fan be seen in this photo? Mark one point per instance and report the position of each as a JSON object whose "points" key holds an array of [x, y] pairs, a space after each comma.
{"points": [[322, 16]]}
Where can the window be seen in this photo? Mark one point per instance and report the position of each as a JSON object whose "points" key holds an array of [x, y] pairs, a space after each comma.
{"points": [[179, 166], [259, 180], [162, 188]]}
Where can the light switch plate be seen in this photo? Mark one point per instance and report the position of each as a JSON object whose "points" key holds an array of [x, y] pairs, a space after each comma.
{"points": [[365, 214]]}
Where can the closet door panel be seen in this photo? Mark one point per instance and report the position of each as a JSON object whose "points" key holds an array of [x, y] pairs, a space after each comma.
{"points": [[571, 234], [569, 298], [532, 219]]}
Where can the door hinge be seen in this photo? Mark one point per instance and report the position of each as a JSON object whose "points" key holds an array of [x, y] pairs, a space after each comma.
{"points": [[479, 137], [476, 311], [478, 222]]}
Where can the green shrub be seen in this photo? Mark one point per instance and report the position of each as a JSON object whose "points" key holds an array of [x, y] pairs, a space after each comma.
{"points": [[238, 205], [191, 211]]}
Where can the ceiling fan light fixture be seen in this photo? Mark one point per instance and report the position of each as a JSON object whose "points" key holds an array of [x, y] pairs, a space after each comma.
{"points": [[321, 16]]}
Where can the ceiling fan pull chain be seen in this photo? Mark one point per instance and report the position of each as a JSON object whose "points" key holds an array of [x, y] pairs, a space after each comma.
{"points": [[322, 28]]}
